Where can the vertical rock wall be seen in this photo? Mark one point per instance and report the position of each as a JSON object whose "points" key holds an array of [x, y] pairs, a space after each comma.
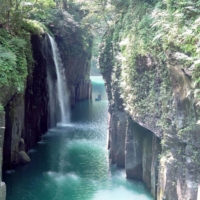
{"points": [[134, 148], [27, 113], [159, 95], [133, 159], [14, 129], [167, 163], [36, 96], [156, 150], [77, 67], [2, 130]]}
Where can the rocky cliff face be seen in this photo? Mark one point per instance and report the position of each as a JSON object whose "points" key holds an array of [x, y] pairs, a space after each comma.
{"points": [[77, 69], [75, 46], [2, 130], [26, 113], [134, 148], [154, 123]]}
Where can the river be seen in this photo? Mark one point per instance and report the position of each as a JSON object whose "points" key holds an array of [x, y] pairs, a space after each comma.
{"points": [[72, 162]]}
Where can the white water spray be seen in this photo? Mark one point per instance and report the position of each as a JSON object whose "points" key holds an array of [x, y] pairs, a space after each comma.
{"points": [[62, 90]]}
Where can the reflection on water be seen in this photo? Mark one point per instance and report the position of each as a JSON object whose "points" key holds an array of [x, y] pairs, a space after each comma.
{"points": [[71, 162]]}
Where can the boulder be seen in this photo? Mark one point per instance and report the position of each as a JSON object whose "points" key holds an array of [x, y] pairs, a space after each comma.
{"points": [[23, 157]]}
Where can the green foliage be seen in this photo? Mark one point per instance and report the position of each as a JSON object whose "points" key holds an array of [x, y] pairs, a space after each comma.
{"points": [[1, 108], [97, 16], [13, 12], [44, 4], [13, 62], [158, 31], [33, 27], [20, 19], [196, 75], [137, 57], [177, 25], [43, 14]]}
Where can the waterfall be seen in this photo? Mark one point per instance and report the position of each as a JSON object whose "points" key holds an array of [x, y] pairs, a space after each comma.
{"points": [[58, 90]]}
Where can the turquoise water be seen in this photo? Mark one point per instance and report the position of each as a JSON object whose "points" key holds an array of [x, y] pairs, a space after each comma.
{"points": [[71, 163]]}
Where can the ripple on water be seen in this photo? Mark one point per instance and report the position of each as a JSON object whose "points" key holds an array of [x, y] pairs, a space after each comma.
{"points": [[120, 193], [42, 142], [76, 164], [32, 151], [64, 125], [10, 171], [60, 178], [86, 144]]}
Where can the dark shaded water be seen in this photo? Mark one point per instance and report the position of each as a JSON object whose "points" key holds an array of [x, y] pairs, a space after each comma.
{"points": [[71, 163]]}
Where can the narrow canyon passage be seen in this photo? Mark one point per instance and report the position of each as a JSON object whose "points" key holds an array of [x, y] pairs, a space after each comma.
{"points": [[71, 163]]}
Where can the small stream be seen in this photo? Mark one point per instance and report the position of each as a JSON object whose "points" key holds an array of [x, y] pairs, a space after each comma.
{"points": [[71, 163]]}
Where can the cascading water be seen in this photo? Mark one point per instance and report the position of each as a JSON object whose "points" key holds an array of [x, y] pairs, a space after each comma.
{"points": [[58, 92]]}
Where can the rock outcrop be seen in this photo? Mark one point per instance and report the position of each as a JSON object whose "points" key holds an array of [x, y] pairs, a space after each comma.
{"points": [[23, 82], [134, 148], [149, 81], [23, 157], [26, 113], [2, 130]]}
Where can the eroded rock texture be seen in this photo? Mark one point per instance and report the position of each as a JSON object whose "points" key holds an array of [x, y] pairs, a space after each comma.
{"points": [[160, 102], [27, 113], [75, 48], [135, 148]]}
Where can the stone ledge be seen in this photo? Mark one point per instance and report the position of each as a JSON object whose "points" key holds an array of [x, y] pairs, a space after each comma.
{"points": [[3, 191]]}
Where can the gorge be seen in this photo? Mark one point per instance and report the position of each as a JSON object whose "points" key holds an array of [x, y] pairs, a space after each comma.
{"points": [[71, 162], [149, 60]]}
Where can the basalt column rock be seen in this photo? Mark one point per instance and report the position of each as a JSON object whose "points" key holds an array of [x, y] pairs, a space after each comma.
{"points": [[117, 133], [76, 55], [113, 138], [133, 160], [150, 160], [135, 148], [14, 128], [2, 130], [184, 177], [26, 113], [156, 150], [146, 159], [36, 96], [121, 135], [83, 90]]}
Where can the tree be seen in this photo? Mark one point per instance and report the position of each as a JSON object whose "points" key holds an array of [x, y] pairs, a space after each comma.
{"points": [[13, 12], [98, 16]]}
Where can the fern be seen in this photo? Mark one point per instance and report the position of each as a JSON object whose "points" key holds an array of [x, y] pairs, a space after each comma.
{"points": [[6, 55], [20, 43]]}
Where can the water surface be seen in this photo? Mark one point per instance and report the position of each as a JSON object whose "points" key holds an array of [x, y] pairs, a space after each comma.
{"points": [[71, 163]]}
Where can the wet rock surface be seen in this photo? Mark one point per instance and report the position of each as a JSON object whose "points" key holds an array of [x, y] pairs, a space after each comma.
{"points": [[160, 99], [26, 114], [23, 157], [2, 131]]}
